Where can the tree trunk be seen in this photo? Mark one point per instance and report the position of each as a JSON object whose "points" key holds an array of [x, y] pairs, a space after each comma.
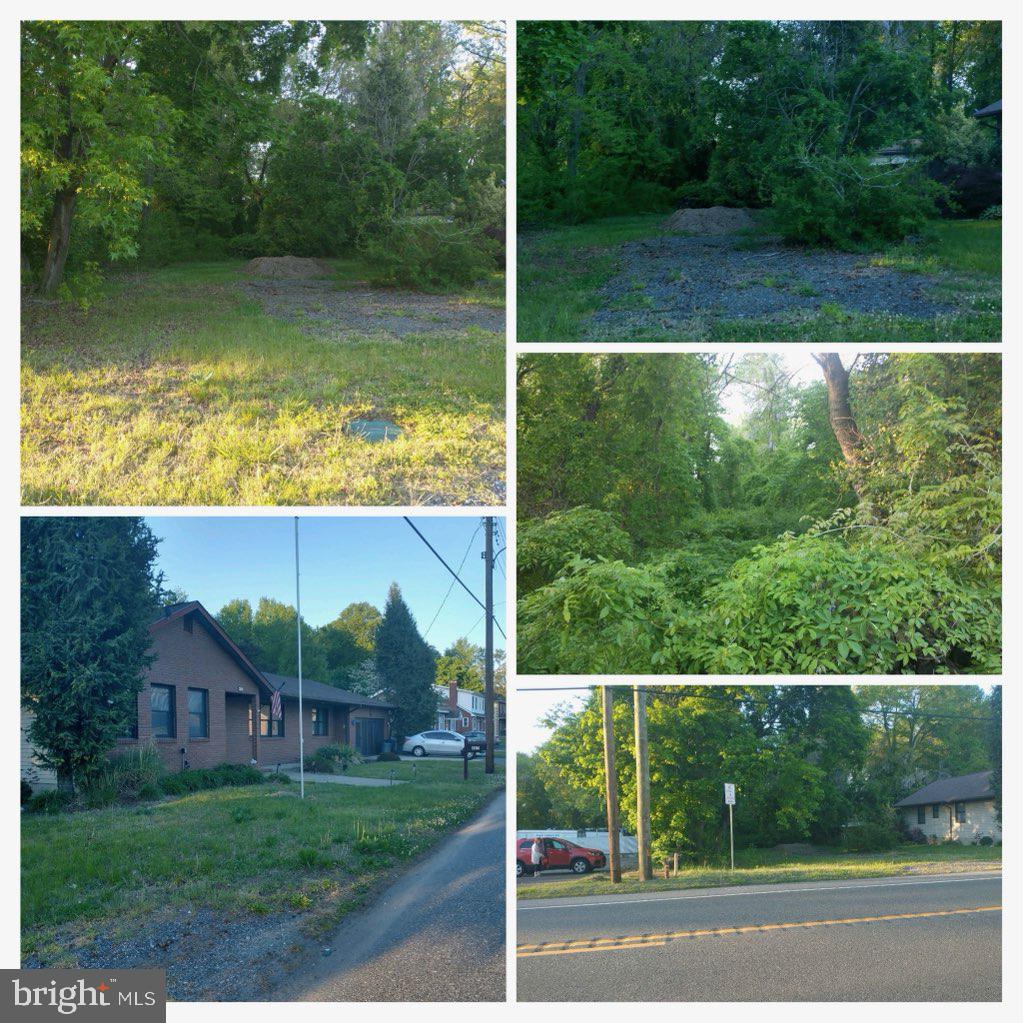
{"points": [[843, 425], [65, 782], [60, 240], [576, 123]]}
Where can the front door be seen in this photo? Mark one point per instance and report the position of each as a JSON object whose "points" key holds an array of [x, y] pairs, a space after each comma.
{"points": [[369, 736]]}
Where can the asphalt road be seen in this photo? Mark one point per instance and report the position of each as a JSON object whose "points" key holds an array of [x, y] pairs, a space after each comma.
{"points": [[927, 938], [436, 935]]}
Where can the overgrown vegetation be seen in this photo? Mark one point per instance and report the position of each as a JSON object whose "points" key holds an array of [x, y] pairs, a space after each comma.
{"points": [[632, 116], [850, 525], [160, 142], [244, 850], [819, 764]]}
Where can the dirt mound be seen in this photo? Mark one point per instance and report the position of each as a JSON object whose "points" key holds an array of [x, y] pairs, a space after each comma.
{"points": [[286, 267], [713, 220]]}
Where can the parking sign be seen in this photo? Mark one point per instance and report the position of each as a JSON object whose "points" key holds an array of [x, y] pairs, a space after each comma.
{"points": [[730, 793]]}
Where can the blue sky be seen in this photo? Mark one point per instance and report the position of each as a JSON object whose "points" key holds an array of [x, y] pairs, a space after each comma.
{"points": [[215, 559]]}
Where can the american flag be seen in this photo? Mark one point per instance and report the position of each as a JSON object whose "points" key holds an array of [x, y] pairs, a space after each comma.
{"points": [[275, 704]]}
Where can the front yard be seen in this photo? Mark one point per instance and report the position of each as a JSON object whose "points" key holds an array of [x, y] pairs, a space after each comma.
{"points": [[767, 866], [201, 385], [206, 884]]}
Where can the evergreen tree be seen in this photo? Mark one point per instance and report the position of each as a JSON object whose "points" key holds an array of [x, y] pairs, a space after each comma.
{"points": [[88, 595], [407, 666]]}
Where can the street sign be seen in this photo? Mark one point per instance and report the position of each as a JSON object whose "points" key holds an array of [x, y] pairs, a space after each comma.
{"points": [[730, 793], [730, 802]]}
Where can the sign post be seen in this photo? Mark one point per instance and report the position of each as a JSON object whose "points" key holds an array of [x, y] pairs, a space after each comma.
{"points": [[730, 800]]}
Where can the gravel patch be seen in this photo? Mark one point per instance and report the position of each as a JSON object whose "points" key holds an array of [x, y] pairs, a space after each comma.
{"points": [[358, 312], [672, 280], [208, 957]]}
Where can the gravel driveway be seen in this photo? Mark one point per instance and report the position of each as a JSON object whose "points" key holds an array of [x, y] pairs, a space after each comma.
{"points": [[673, 280], [323, 309]]}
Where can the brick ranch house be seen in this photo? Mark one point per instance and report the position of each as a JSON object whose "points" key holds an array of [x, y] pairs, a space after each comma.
{"points": [[205, 703], [953, 809]]}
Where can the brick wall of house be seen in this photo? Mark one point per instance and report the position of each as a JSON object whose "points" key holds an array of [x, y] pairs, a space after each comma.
{"points": [[283, 749], [187, 656]]}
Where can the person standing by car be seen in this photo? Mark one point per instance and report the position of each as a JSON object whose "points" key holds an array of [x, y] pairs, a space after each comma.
{"points": [[536, 856]]}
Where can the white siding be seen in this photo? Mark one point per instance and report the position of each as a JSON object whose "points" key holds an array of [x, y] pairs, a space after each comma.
{"points": [[980, 821], [38, 777]]}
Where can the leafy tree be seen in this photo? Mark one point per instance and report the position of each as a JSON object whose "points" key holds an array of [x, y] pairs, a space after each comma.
{"points": [[407, 666], [89, 593]]}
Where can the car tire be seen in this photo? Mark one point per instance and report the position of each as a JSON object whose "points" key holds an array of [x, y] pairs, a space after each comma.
{"points": [[519, 869], [418, 751], [581, 866]]}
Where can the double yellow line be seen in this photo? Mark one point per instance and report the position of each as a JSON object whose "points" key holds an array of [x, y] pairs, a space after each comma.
{"points": [[561, 948]]}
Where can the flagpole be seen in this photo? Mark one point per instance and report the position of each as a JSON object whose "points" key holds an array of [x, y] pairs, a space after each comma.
{"points": [[298, 629]]}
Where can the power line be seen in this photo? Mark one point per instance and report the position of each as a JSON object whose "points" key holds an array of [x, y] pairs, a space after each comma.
{"points": [[458, 578], [452, 586]]}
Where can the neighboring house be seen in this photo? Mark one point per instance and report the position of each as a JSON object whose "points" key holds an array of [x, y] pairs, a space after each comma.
{"points": [[992, 110], [897, 154], [205, 703], [460, 710], [953, 809], [586, 837]]}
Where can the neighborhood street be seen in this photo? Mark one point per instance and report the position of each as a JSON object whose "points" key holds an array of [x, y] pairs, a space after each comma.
{"points": [[929, 938], [436, 935]]}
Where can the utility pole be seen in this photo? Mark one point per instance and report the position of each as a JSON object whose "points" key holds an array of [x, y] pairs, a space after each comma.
{"points": [[614, 858], [642, 785], [488, 664], [298, 627]]}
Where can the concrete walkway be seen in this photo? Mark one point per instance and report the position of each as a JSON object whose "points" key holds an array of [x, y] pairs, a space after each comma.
{"points": [[341, 779]]}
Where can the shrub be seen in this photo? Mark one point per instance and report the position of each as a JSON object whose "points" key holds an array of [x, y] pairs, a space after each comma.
{"points": [[388, 758], [546, 546], [600, 616], [986, 840], [430, 254], [222, 775], [846, 202], [26, 792], [992, 213], [49, 801], [916, 836], [816, 604], [125, 778], [332, 759]]}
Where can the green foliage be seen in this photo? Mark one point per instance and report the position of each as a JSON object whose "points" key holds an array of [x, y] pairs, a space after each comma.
{"points": [[333, 759], [546, 546], [823, 764], [407, 666], [625, 117], [88, 596], [767, 552], [221, 776], [200, 140], [125, 778], [430, 253]]}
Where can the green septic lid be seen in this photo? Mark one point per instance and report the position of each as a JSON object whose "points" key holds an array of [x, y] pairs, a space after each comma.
{"points": [[374, 430]]}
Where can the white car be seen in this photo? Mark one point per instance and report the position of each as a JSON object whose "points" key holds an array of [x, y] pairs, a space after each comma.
{"points": [[435, 744]]}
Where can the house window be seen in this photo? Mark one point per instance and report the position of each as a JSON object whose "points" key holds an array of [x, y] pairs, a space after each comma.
{"points": [[921, 815], [161, 703], [320, 719], [198, 714], [268, 726], [961, 813], [936, 810]]}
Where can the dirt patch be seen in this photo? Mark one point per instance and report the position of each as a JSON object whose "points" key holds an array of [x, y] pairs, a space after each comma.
{"points": [[712, 220], [286, 268], [675, 282], [326, 311]]}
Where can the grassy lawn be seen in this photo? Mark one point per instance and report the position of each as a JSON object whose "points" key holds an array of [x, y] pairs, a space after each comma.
{"points": [[562, 270], [177, 388], [767, 866], [255, 849]]}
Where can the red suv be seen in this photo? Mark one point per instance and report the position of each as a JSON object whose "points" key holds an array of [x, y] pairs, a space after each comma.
{"points": [[558, 854]]}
